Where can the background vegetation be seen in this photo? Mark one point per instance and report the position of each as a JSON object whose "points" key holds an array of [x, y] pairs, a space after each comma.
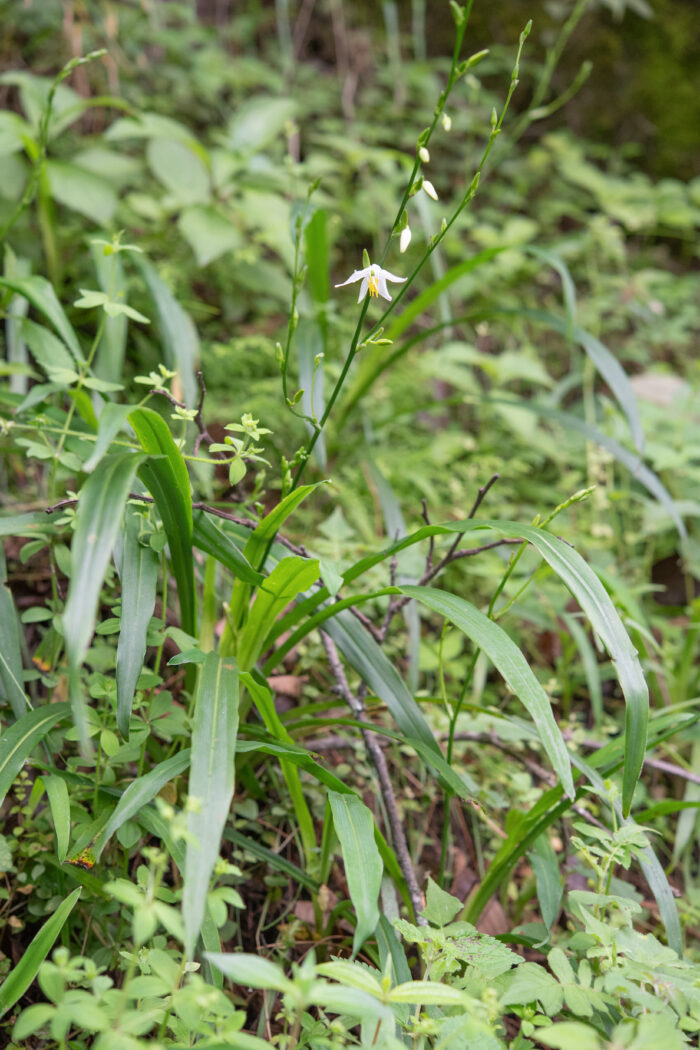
{"points": [[348, 651]]}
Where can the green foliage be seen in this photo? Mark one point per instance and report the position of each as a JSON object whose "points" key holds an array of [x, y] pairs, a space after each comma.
{"points": [[235, 648]]}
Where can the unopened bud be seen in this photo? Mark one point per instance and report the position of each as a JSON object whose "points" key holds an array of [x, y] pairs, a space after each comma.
{"points": [[446, 120], [430, 189], [424, 155], [405, 238]]}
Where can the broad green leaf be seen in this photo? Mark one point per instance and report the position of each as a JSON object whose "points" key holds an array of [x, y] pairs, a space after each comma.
{"points": [[510, 662], [440, 906], [82, 191], [99, 515], [251, 971], [208, 233], [288, 579], [139, 575], [180, 170], [20, 739], [177, 330], [209, 538], [548, 880], [42, 297], [11, 678], [59, 803], [19, 979], [142, 791], [354, 825], [48, 350], [257, 121], [166, 478], [211, 784], [431, 993]]}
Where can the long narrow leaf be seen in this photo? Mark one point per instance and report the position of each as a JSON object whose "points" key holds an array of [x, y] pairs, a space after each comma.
{"points": [[19, 979], [289, 578], [140, 792], [354, 825], [603, 617], [21, 738], [99, 515], [139, 576], [209, 538], [511, 663], [59, 803], [11, 679], [211, 784], [166, 478], [177, 330]]}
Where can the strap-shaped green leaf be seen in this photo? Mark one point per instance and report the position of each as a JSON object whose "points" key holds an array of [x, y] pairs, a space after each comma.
{"points": [[510, 662], [289, 578], [99, 515], [140, 792], [211, 784], [139, 576], [19, 979], [354, 825], [166, 478], [209, 538], [20, 739]]}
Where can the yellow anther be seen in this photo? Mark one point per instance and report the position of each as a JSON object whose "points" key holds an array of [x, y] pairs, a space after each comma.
{"points": [[373, 286]]}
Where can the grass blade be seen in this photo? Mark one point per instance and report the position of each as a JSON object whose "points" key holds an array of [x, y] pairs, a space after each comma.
{"points": [[289, 578], [11, 678], [27, 968], [209, 538], [177, 330], [510, 662], [605, 621], [354, 825], [99, 515], [59, 803], [140, 792], [166, 478], [139, 576], [211, 783], [20, 739]]}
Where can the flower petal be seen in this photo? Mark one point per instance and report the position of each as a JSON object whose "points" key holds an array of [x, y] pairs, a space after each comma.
{"points": [[405, 238], [356, 275], [381, 284], [363, 288], [392, 277]]}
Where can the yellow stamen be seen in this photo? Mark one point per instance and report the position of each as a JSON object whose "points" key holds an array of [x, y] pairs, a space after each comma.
{"points": [[373, 286]]}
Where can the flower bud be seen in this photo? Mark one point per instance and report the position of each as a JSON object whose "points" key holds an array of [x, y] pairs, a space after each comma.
{"points": [[430, 189], [424, 155], [446, 120], [405, 238]]}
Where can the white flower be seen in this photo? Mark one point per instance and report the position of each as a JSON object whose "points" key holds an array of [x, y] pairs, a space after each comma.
{"points": [[430, 189], [405, 238], [373, 279]]}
